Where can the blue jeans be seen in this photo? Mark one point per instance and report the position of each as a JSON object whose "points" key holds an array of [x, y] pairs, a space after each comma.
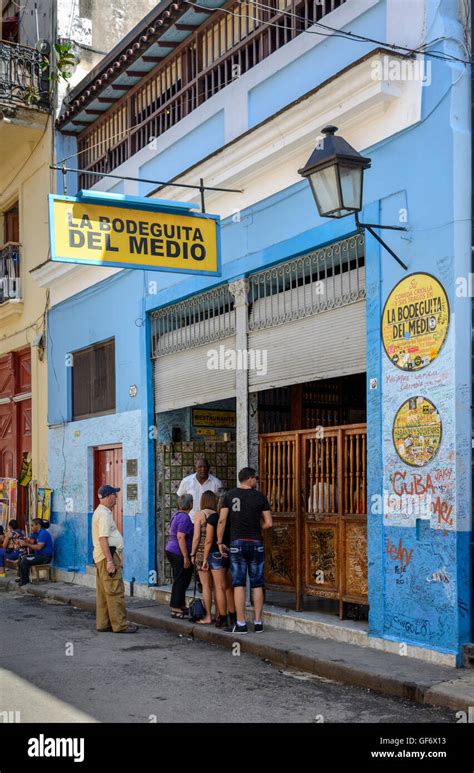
{"points": [[216, 561], [10, 555], [247, 556]]}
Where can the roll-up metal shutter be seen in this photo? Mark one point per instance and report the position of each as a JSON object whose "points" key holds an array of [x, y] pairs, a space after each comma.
{"points": [[326, 345], [308, 316], [183, 378], [183, 336]]}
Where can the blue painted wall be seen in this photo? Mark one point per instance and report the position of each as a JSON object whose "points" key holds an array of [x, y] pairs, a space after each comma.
{"points": [[427, 601], [314, 67], [421, 172], [111, 309], [206, 138]]}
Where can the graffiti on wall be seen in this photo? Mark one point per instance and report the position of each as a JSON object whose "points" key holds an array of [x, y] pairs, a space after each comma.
{"points": [[419, 430]]}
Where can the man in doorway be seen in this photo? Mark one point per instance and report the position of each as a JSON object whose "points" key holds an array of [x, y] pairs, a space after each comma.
{"points": [[111, 614], [41, 550], [249, 512], [199, 482]]}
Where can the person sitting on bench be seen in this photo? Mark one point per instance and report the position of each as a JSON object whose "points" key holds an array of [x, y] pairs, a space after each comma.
{"points": [[10, 549], [41, 550]]}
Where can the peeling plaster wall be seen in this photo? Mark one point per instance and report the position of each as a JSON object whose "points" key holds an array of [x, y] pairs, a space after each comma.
{"points": [[95, 27]]}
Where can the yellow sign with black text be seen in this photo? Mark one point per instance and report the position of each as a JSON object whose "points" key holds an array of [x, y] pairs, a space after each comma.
{"points": [[417, 430], [415, 321], [157, 237], [204, 418]]}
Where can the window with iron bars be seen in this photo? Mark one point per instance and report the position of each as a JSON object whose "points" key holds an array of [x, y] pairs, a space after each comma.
{"points": [[321, 280], [220, 51], [207, 317]]}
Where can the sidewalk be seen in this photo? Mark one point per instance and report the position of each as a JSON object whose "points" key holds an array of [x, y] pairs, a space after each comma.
{"points": [[349, 664]]}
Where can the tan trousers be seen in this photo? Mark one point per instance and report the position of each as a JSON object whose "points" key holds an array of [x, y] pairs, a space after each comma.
{"points": [[110, 600]]}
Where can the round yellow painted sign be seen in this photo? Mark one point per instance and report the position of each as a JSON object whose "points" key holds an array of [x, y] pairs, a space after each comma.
{"points": [[415, 321], [417, 431]]}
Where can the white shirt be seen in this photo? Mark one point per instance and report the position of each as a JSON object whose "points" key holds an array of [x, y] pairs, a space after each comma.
{"points": [[103, 525], [191, 485]]}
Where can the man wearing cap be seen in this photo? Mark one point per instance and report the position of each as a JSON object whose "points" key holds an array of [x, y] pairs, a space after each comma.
{"points": [[111, 614]]}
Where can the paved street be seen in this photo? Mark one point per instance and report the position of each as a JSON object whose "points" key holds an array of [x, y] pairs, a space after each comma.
{"points": [[111, 678]]}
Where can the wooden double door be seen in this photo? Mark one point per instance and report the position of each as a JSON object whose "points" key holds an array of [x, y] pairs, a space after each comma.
{"points": [[316, 483], [15, 419]]}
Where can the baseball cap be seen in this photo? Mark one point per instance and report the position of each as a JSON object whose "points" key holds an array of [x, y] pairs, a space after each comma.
{"points": [[106, 491]]}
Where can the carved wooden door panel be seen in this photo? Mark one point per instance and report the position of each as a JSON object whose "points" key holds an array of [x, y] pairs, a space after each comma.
{"points": [[316, 484]]}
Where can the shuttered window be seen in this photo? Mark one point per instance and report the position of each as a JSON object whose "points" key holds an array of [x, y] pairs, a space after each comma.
{"points": [[93, 381], [11, 225]]}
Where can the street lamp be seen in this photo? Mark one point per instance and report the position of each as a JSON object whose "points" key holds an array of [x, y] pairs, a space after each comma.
{"points": [[335, 171]]}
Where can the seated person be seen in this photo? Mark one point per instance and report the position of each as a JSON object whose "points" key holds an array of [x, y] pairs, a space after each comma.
{"points": [[40, 552], [11, 540]]}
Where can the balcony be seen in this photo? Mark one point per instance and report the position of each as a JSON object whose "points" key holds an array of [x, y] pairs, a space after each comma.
{"points": [[11, 301], [175, 75], [22, 82], [24, 102]]}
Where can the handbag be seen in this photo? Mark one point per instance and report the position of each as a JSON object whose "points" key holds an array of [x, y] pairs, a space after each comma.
{"points": [[196, 608]]}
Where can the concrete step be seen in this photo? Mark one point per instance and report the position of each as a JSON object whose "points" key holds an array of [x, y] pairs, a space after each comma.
{"points": [[316, 624]]}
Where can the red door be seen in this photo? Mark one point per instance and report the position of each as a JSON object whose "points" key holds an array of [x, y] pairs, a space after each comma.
{"points": [[15, 418], [108, 470]]}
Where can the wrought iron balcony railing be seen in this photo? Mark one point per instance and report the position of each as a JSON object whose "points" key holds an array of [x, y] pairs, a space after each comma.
{"points": [[10, 288], [22, 81]]}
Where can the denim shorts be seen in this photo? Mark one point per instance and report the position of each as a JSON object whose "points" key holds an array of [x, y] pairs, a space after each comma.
{"points": [[247, 555], [216, 561]]}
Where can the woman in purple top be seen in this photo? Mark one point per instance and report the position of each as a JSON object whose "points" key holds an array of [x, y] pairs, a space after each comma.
{"points": [[178, 549]]}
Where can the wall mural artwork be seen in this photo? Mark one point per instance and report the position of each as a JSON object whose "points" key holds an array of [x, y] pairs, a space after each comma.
{"points": [[415, 322], [420, 478], [417, 431]]}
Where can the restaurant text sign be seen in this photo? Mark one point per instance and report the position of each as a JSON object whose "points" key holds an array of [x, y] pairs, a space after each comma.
{"points": [[105, 234], [415, 321]]}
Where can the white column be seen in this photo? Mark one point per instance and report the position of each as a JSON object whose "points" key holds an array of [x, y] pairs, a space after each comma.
{"points": [[239, 290]]}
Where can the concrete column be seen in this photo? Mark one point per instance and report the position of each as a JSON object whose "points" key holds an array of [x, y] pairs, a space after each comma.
{"points": [[239, 290]]}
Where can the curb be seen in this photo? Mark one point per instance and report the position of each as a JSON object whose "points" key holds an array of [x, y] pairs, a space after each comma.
{"points": [[436, 695]]}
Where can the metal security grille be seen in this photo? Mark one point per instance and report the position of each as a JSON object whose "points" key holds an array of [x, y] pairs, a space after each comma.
{"points": [[325, 279], [193, 322]]}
